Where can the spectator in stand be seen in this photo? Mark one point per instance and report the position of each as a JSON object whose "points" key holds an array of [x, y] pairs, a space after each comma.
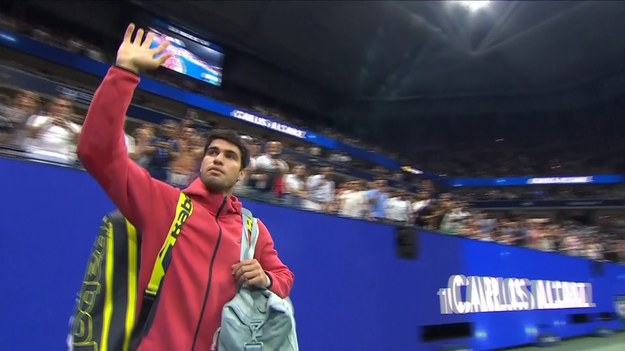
{"points": [[398, 207], [246, 185], [453, 221], [377, 198], [442, 208], [295, 186], [353, 200], [143, 140], [534, 233], [163, 149], [13, 117], [546, 240], [571, 244], [269, 169], [184, 168], [53, 135], [421, 202], [320, 191]]}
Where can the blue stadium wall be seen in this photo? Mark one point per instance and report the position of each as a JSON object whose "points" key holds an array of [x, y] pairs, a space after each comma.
{"points": [[351, 291]]}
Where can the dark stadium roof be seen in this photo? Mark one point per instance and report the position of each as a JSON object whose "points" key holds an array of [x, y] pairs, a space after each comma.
{"points": [[402, 49], [392, 61]]}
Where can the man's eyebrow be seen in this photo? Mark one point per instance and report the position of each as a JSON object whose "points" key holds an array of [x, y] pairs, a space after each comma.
{"points": [[216, 148]]}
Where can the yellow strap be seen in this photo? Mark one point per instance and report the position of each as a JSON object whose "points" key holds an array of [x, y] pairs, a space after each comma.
{"points": [[132, 284], [183, 211], [108, 296]]}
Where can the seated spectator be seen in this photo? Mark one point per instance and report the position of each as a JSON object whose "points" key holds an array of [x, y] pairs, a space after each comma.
{"points": [[53, 135]]}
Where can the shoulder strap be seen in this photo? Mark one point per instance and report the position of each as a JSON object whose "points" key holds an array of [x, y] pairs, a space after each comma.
{"points": [[249, 234], [183, 211]]}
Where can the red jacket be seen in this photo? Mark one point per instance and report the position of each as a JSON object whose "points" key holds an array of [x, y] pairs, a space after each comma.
{"points": [[150, 205]]}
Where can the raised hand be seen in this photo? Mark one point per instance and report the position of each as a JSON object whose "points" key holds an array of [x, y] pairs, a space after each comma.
{"points": [[136, 55]]}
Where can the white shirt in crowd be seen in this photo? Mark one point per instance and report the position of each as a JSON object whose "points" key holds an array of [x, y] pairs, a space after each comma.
{"points": [[419, 205], [398, 209], [320, 192], [53, 141], [292, 183], [270, 164], [353, 203]]}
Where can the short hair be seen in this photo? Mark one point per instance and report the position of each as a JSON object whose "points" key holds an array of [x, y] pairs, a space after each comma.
{"points": [[233, 138]]}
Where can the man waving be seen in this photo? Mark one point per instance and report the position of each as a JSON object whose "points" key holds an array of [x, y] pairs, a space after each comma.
{"points": [[204, 266]]}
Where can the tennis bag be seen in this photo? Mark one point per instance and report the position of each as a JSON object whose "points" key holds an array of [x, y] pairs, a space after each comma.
{"points": [[256, 319], [105, 310]]}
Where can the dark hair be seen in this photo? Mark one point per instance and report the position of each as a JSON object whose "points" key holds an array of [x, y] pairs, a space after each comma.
{"points": [[233, 138]]}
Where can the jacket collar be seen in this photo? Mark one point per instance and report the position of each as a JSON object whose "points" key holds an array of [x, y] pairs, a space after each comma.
{"points": [[212, 200]]}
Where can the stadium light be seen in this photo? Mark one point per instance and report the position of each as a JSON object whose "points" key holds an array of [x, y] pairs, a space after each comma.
{"points": [[472, 5]]}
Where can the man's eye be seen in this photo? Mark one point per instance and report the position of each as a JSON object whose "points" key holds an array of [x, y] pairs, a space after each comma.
{"points": [[212, 152]]}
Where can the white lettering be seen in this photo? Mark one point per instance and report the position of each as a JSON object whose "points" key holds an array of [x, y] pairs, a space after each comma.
{"points": [[560, 180], [263, 122], [455, 282], [489, 294]]}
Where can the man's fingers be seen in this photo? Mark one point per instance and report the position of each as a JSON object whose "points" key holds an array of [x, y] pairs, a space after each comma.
{"points": [[163, 58], [128, 35], [242, 263], [148, 40], [157, 50], [244, 269], [246, 278], [250, 278], [138, 37]]}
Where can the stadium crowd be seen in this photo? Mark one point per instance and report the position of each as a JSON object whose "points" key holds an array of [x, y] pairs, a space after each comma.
{"points": [[47, 127]]}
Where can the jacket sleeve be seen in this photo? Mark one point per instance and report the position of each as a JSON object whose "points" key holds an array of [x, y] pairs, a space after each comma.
{"points": [[102, 151], [280, 275]]}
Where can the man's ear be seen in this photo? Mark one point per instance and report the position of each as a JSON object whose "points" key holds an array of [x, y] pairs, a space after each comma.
{"points": [[241, 174]]}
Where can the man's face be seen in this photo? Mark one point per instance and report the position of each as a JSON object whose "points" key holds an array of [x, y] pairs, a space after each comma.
{"points": [[221, 166], [299, 170], [380, 184], [274, 148], [168, 128], [61, 107], [26, 101], [188, 133], [327, 172], [253, 149]]}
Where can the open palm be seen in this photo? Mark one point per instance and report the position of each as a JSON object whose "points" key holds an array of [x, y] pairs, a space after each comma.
{"points": [[136, 55]]}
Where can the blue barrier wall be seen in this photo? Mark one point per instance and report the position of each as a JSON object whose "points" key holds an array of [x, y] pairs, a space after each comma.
{"points": [[350, 293]]}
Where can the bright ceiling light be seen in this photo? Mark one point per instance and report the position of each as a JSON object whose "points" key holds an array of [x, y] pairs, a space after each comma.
{"points": [[472, 5]]}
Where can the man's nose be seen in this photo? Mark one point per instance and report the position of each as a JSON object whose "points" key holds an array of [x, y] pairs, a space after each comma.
{"points": [[218, 159]]}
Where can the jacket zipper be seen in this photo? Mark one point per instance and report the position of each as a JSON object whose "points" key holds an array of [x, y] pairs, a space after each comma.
{"points": [[210, 275]]}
